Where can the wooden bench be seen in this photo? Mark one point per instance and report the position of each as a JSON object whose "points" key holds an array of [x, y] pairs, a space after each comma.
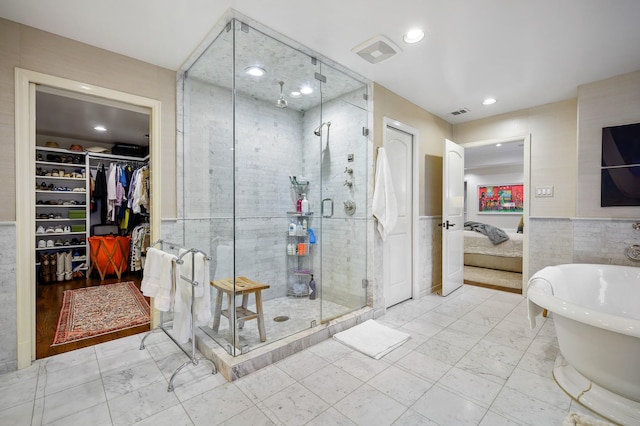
{"points": [[243, 286]]}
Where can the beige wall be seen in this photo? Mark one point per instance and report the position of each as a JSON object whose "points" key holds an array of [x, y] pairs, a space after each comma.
{"points": [[553, 133], [432, 132], [604, 103], [32, 49]]}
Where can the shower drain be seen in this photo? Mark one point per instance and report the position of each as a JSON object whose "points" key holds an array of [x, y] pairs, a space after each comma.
{"points": [[281, 319]]}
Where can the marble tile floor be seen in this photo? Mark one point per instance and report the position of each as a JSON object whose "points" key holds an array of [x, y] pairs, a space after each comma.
{"points": [[300, 311], [471, 360]]}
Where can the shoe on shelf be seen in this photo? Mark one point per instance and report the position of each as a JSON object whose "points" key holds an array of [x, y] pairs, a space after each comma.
{"points": [[59, 229], [45, 268], [60, 259], [40, 230], [66, 229], [68, 266], [42, 244], [50, 243]]}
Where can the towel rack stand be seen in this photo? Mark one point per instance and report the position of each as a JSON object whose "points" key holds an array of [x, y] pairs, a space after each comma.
{"points": [[193, 357]]}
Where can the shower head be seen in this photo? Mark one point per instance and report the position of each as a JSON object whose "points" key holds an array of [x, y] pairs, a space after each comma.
{"points": [[281, 102], [318, 130]]}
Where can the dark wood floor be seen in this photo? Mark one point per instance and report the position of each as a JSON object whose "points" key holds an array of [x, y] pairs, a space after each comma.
{"points": [[49, 303]]}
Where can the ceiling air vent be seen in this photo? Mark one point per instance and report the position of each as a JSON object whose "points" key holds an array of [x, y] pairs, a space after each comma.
{"points": [[376, 49], [460, 111]]}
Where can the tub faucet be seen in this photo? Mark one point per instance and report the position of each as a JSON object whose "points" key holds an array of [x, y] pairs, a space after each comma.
{"points": [[348, 183]]}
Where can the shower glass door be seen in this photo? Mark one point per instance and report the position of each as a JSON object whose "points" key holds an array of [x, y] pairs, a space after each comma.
{"points": [[344, 177], [265, 125]]}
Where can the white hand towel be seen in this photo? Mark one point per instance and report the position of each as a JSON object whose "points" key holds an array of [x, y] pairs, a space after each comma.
{"points": [[158, 278], [202, 301], [385, 205]]}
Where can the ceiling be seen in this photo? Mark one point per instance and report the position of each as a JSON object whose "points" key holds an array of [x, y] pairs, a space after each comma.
{"points": [[523, 53]]}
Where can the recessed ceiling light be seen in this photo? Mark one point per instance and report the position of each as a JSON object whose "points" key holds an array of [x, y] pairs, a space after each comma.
{"points": [[489, 101], [414, 35], [306, 90], [295, 94], [100, 128], [498, 144], [255, 71]]}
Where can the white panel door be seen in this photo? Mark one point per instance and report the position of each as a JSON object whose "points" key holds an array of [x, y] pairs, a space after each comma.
{"points": [[452, 217], [398, 246]]}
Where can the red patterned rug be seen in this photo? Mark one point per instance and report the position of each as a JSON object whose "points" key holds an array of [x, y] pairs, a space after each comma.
{"points": [[94, 311]]}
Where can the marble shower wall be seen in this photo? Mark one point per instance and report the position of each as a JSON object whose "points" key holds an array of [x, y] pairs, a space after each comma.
{"points": [[343, 237]]}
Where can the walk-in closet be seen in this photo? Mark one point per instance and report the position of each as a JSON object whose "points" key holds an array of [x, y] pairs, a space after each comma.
{"points": [[92, 219]]}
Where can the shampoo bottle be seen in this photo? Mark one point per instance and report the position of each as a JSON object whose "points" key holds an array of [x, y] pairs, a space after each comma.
{"points": [[304, 204], [299, 204], [299, 229], [312, 289], [292, 228]]}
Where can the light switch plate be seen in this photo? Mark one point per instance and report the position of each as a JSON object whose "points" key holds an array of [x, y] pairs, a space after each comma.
{"points": [[544, 191]]}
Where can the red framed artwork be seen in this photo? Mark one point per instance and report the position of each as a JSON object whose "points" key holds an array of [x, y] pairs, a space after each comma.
{"points": [[501, 199]]}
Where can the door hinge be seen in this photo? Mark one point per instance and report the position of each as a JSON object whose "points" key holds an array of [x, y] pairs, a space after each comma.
{"points": [[314, 61], [365, 283], [365, 96], [320, 77], [365, 131]]}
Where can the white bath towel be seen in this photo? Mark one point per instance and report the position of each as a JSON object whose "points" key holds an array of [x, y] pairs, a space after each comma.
{"points": [[158, 278], [385, 205], [202, 300]]}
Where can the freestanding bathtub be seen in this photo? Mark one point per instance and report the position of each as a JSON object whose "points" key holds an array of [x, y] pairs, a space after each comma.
{"points": [[596, 313]]}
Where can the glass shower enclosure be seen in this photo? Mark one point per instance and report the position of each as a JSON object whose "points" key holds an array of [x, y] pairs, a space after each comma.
{"points": [[274, 186]]}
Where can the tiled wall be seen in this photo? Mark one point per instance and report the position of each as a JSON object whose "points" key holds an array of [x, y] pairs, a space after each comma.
{"points": [[271, 145], [8, 313], [429, 255], [578, 240]]}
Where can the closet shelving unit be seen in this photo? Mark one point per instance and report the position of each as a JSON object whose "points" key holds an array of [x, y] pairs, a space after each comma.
{"points": [[62, 198]]}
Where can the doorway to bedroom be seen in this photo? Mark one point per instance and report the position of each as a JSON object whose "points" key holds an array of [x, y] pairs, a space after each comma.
{"points": [[495, 202]]}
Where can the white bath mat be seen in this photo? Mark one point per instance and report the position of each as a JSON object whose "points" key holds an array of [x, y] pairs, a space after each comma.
{"points": [[372, 339]]}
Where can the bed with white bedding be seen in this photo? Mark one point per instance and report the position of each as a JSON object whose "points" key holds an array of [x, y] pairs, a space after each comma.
{"points": [[479, 251]]}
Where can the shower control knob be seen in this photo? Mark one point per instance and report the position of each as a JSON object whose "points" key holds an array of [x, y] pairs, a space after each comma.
{"points": [[348, 183], [348, 170]]}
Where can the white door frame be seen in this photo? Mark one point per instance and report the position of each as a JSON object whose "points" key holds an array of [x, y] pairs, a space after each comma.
{"points": [[390, 122], [25, 142], [527, 194]]}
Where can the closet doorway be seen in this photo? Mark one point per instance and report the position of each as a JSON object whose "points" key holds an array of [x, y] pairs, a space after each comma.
{"points": [[60, 149]]}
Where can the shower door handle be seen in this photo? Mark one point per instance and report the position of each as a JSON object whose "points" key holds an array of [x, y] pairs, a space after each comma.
{"points": [[327, 202]]}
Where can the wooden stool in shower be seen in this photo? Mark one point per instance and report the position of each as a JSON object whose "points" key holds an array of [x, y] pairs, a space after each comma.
{"points": [[243, 286]]}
